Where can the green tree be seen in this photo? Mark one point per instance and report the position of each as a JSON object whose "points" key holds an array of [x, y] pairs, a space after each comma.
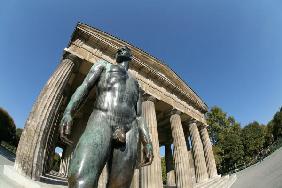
{"points": [[225, 135], [218, 121], [269, 134], [277, 124], [7, 127], [253, 138], [232, 148], [163, 170], [56, 162], [218, 154]]}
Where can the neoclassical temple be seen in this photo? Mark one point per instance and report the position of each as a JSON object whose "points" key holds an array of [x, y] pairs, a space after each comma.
{"points": [[174, 113]]}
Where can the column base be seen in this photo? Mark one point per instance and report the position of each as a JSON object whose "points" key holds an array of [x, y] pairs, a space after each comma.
{"points": [[204, 180]]}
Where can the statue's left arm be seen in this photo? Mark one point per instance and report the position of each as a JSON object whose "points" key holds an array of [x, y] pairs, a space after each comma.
{"points": [[144, 134]]}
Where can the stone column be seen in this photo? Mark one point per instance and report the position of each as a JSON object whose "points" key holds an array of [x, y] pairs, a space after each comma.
{"points": [[32, 145], [151, 176], [135, 179], [182, 173], [170, 173], [65, 160], [63, 168], [211, 166], [103, 179], [198, 152], [192, 167]]}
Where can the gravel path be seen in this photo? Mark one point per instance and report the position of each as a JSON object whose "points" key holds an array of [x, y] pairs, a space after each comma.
{"points": [[266, 174]]}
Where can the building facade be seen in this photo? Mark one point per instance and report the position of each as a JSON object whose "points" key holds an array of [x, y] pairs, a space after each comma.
{"points": [[174, 113]]}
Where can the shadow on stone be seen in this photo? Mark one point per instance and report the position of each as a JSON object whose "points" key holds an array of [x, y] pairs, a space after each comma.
{"points": [[7, 154], [53, 180]]}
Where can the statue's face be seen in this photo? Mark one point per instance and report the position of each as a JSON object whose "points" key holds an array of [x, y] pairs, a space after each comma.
{"points": [[123, 54]]}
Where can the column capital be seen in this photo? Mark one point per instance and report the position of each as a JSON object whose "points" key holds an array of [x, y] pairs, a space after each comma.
{"points": [[175, 111], [72, 57], [148, 97], [191, 121], [75, 59], [199, 124]]}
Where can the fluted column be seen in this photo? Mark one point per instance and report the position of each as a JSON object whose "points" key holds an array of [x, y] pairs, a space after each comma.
{"points": [[191, 159], [198, 152], [135, 179], [32, 145], [151, 176], [182, 173], [211, 166], [63, 167], [103, 179], [170, 173]]}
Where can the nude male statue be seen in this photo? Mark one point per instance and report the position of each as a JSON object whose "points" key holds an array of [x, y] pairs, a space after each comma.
{"points": [[113, 129]]}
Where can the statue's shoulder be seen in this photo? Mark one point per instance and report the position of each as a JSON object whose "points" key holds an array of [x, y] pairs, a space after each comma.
{"points": [[100, 65], [102, 62], [132, 77]]}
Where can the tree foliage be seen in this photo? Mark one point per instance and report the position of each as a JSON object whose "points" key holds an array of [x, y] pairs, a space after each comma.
{"points": [[163, 170], [217, 120], [56, 162], [7, 127], [233, 145], [269, 139], [225, 135], [253, 136], [277, 124]]}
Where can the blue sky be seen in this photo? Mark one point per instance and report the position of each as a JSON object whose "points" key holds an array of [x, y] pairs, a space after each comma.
{"points": [[229, 52]]}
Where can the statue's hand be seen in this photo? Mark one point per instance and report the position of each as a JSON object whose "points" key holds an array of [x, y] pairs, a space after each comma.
{"points": [[148, 155], [65, 128]]}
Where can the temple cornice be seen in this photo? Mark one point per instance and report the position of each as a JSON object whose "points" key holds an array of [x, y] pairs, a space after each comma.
{"points": [[143, 62]]}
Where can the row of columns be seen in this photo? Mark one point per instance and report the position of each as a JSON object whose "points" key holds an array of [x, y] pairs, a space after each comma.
{"points": [[179, 174], [48, 105]]}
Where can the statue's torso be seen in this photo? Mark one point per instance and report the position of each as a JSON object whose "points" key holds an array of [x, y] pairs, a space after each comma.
{"points": [[117, 92]]}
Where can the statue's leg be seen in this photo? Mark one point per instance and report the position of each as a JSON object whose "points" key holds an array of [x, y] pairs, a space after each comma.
{"points": [[124, 161], [91, 154]]}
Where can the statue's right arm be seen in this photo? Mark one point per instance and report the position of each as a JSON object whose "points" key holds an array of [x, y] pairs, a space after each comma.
{"points": [[77, 98], [83, 90]]}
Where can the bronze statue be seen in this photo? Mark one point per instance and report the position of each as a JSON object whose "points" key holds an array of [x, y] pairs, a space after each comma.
{"points": [[113, 129]]}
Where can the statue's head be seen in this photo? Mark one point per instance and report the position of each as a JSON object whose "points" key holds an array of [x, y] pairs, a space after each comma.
{"points": [[123, 54]]}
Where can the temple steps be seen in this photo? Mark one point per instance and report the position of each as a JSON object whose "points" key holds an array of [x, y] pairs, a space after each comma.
{"points": [[218, 182], [207, 183]]}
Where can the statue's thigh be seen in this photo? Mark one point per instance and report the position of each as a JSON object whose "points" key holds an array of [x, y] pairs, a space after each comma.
{"points": [[90, 155], [124, 161]]}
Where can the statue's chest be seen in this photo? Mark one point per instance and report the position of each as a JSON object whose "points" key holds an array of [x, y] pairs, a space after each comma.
{"points": [[116, 75]]}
